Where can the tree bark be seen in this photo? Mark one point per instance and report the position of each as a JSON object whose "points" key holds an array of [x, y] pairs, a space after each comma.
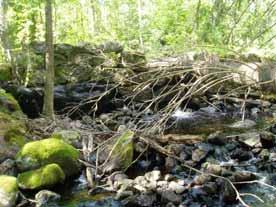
{"points": [[48, 108]]}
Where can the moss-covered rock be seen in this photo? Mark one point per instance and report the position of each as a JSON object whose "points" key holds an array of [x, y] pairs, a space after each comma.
{"points": [[39, 153], [5, 72], [8, 191], [12, 126], [121, 155], [44, 177]]}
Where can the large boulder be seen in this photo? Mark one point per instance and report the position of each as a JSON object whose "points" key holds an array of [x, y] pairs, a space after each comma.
{"points": [[12, 126], [39, 153], [8, 191], [44, 177]]}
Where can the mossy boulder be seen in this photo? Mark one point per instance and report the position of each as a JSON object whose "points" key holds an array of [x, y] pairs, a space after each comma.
{"points": [[121, 152], [43, 177], [5, 72], [39, 153], [8, 191], [12, 126]]}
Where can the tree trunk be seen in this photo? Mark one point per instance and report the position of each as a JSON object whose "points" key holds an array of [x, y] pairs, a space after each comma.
{"points": [[139, 11], [48, 108]]}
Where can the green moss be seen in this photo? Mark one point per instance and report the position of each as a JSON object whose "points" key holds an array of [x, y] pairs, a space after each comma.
{"points": [[12, 129], [5, 72], [123, 149], [47, 151], [8, 103], [46, 176], [8, 184]]}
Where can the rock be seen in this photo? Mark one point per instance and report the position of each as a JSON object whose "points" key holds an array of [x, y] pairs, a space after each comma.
{"points": [[8, 191], [169, 177], [52, 174], [241, 155], [251, 139], [8, 167], [210, 188], [171, 197], [216, 138], [213, 169], [154, 175], [146, 199], [121, 152], [201, 179], [12, 126], [71, 137], [65, 96], [176, 187], [267, 139], [197, 192], [108, 202], [228, 193], [124, 184], [140, 183], [242, 177], [39, 153], [170, 163], [264, 154], [45, 198], [246, 124], [199, 155], [5, 72]]}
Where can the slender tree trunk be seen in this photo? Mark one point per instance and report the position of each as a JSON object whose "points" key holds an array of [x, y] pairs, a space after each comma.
{"points": [[48, 108], [139, 11]]}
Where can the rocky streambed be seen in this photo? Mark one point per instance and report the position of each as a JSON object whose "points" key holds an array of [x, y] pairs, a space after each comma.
{"points": [[105, 161], [131, 133]]}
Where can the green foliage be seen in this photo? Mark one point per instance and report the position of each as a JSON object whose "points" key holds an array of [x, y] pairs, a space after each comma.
{"points": [[39, 153], [166, 26], [46, 176]]}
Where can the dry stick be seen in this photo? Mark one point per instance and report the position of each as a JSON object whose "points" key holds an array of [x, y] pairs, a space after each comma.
{"points": [[160, 149], [243, 107]]}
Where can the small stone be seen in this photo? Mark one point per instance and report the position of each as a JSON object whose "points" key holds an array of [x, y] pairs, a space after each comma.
{"points": [[169, 177], [199, 155], [216, 138], [228, 194], [170, 163], [245, 124], [45, 198], [210, 188], [241, 155], [154, 175], [176, 187], [146, 200], [214, 169], [267, 139], [242, 177], [8, 167], [171, 197], [201, 179], [264, 154]]}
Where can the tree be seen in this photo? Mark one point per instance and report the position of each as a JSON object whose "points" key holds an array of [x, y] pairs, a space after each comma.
{"points": [[48, 108]]}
